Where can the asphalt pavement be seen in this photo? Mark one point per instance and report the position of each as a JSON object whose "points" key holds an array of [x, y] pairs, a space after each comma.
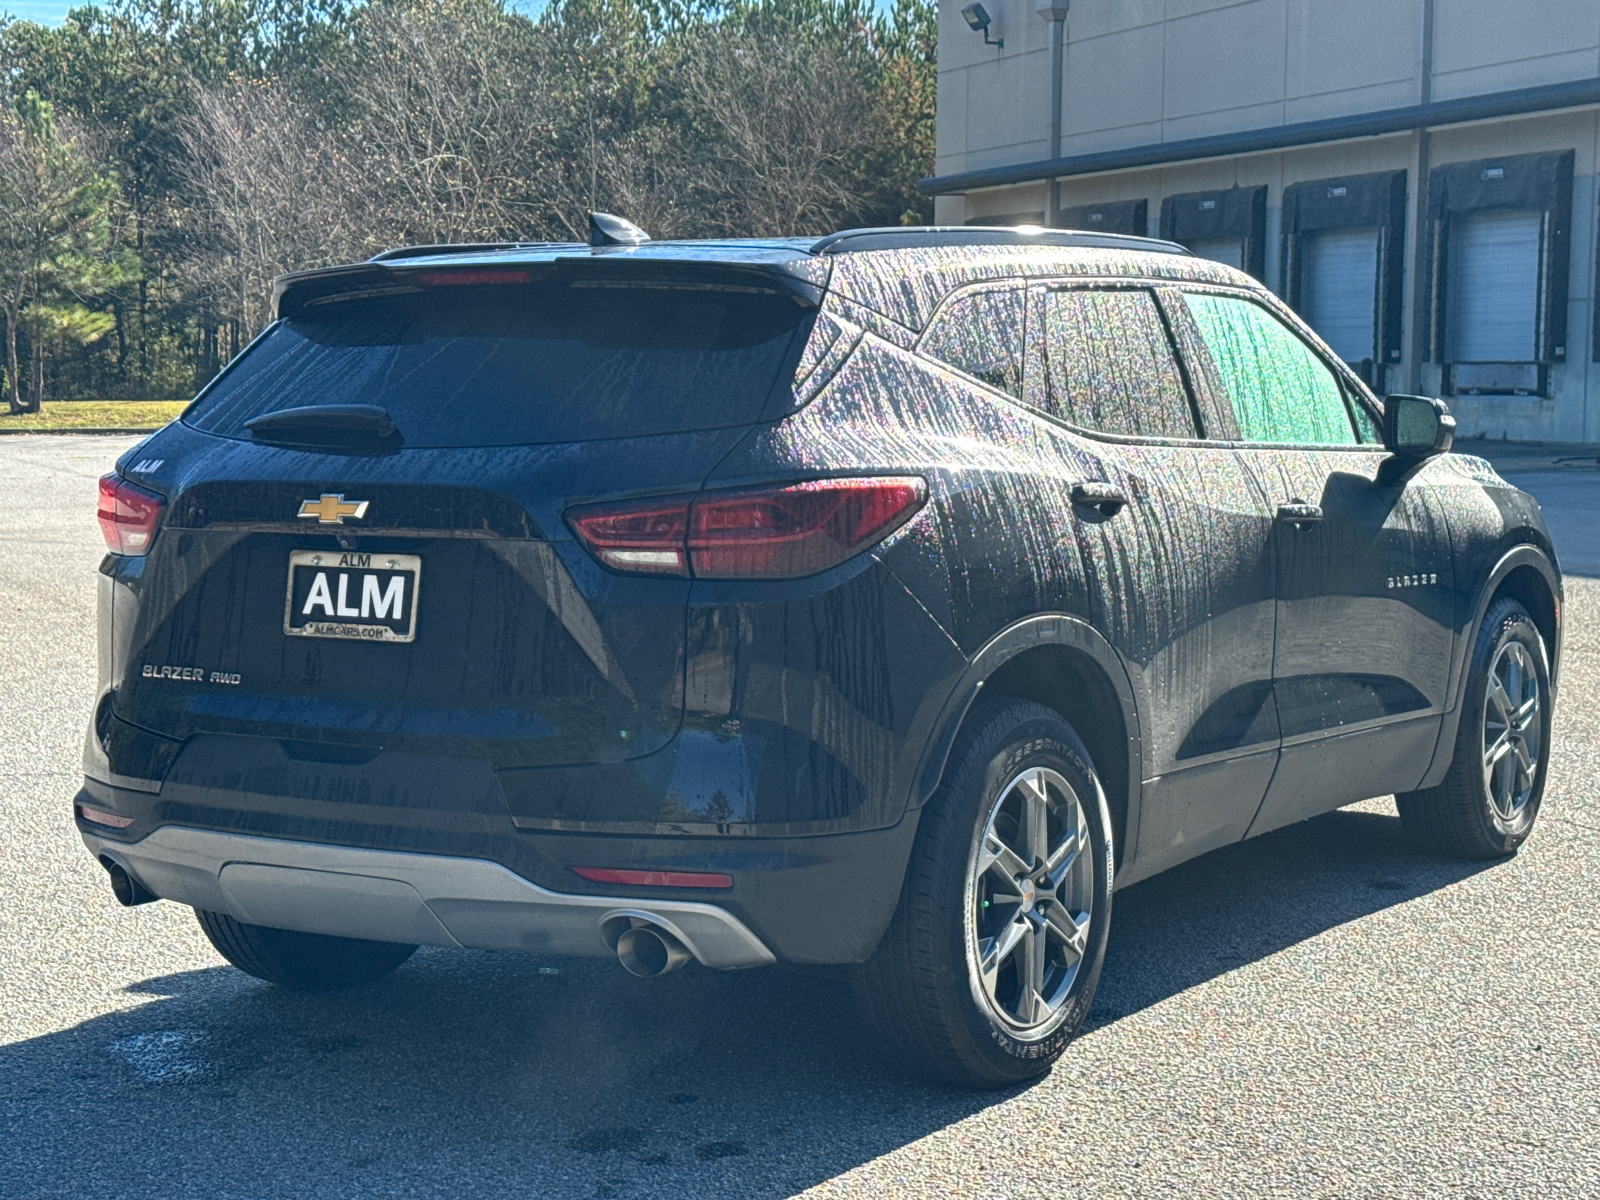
{"points": [[1319, 1012]]}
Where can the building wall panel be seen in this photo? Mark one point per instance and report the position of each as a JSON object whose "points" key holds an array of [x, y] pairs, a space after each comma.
{"points": [[1527, 38], [1335, 49], [1224, 60], [1106, 87]]}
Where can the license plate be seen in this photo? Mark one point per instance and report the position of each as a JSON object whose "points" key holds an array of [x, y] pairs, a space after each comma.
{"points": [[342, 594]]}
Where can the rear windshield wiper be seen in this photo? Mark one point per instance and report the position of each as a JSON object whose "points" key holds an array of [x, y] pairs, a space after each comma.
{"points": [[358, 421]]}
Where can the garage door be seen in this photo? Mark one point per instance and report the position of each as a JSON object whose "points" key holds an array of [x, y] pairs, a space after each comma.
{"points": [[1494, 286], [1229, 250], [1338, 290]]}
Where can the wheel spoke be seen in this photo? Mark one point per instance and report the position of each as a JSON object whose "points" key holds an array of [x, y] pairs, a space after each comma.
{"points": [[1030, 995], [1498, 749], [1527, 713], [1525, 764], [994, 951], [1501, 700], [1066, 854], [1072, 931], [1035, 819], [999, 857]]}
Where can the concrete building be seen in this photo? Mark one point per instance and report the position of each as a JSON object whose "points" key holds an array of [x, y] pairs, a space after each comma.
{"points": [[1417, 177]]}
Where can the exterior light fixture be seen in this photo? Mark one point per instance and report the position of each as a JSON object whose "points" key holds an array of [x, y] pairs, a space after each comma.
{"points": [[978, 19]]}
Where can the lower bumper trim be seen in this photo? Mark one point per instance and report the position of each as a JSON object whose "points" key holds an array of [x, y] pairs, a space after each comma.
{"points": [[420, 899]]}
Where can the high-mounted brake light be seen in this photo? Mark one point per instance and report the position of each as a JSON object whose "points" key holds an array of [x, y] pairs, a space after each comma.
{"points": [[478, 278], [766, 533], [128, 515]]}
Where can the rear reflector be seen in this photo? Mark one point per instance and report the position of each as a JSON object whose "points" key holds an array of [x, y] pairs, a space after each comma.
{"points": [[128, 515], [681, 879], [766, 533], [103, 818]]}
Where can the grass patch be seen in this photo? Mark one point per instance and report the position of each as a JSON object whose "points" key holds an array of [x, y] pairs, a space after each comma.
{"points": [[67, 415]]}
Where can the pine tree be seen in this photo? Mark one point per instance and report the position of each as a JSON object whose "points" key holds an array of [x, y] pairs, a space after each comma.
{"points": [[54, 240]]}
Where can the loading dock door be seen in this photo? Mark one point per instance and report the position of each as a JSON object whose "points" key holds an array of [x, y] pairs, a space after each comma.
{"points": [[1229, 226], [1228, 250], [1338, 290], [1499, 246], [1495, 286]]}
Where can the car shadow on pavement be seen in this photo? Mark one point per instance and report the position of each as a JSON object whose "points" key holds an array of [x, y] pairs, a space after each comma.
{"points": [[1244, 902], [495, 1075]]}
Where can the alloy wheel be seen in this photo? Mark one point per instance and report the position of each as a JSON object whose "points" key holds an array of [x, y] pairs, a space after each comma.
{"points": [[1028, 903], [1512, 730]]}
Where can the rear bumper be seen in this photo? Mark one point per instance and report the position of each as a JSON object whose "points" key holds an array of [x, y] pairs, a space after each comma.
{"points": [[825, 898], [421, 899]]}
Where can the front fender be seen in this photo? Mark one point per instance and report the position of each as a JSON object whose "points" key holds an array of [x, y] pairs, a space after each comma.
{"points": [[1525, 554]]}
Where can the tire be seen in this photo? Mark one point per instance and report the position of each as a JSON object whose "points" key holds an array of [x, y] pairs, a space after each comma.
{"points": [[309, 962], [1478, 812], [922, 993]]}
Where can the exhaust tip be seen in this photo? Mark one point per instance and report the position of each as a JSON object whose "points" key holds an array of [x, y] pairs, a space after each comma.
{"points": [[128, 890], [647, 952]]}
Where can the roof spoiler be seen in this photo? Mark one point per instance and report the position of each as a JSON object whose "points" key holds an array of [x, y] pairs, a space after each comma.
{"points": [[440, 249], [293, 293]]}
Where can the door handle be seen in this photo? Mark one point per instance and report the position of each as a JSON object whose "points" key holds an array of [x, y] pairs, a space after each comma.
{"points": [[1299, 514], [1107, 497]]}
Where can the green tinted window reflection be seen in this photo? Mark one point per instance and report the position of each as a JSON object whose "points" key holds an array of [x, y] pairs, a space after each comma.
{"points": [[1281, 391], [1366, 427]]}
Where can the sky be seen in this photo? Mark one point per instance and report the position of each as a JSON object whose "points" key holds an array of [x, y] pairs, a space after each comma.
{"points": [[53, 12], [45, 12]]}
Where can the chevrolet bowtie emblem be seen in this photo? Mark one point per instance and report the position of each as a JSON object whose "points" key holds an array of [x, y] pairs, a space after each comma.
{"points": [[332, 510]]}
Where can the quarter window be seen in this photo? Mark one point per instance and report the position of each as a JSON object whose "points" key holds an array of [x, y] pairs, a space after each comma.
{"points": [[1281, 391], [981, 333], [1103, 361]]}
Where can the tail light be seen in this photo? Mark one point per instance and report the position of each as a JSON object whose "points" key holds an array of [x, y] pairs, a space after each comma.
{"points": [[642, 538], [797, 530], [128, 515], [765, 533]]}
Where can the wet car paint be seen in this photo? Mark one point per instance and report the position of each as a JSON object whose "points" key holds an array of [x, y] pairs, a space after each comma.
{"points": [[787, 732]]}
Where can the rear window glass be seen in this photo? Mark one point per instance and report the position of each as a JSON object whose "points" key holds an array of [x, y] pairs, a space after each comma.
{"points": [[1102, 360], [518, 365], [981, 334]]}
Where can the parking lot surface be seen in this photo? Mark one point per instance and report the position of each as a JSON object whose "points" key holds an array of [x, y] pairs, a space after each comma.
{"points": [[1319, 1012]]}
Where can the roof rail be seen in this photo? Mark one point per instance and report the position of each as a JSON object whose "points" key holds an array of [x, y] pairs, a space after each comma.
{"points": [[907, 237], [443, 248]]}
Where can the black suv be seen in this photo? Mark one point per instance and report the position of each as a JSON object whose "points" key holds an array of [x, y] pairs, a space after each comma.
{"points": [[882, 601]]}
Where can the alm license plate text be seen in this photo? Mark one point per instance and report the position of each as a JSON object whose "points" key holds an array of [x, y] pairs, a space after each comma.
{"points": [[342, 594]]}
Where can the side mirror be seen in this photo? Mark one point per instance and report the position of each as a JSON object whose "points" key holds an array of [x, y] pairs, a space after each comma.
{"points": [[1417, 426]]}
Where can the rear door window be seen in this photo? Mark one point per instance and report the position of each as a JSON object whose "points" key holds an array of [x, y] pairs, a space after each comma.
{"points": [[1280, 388], [554, 361], [1103, 360], [981, 333]]}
